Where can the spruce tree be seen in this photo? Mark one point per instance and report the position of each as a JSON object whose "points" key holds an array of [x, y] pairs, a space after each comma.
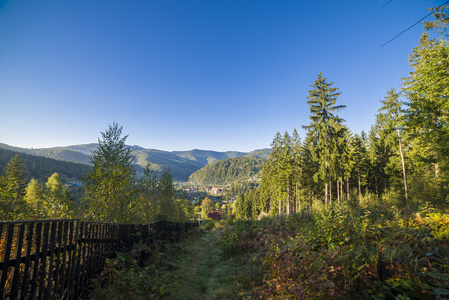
{"points": [[390, 121], [14, 174], [427, 91], [323, 120], [12, 191]]}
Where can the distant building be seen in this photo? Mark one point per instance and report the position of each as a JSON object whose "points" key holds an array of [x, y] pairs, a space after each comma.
{"points": [[217, 191], [214, 215]]}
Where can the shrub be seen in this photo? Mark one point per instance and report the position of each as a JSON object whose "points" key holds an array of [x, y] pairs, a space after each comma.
{"points": [[208, 224]]}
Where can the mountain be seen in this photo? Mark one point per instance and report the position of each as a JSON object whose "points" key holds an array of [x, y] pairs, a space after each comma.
{"points": [[230, 170], [77, 154], [40, 167], [181, 163], [261, 153]]}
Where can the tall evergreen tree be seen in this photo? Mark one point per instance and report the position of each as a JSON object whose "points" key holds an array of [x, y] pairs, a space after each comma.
{"points": [[323, 118], [360, 159], [14, 174], [390, 118], [12, 191], [427, 91]]}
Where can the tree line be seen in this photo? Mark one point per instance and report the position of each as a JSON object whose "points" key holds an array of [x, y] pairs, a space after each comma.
{"points": [[41, 168], [403, 159], [111, 191]]}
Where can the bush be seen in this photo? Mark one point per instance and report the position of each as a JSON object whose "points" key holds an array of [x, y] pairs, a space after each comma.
{"points": [[208, 224], [229, 242]]}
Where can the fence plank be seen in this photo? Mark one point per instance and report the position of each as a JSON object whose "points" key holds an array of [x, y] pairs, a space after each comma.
{"points": [[71, 258], [27, 263], [5, 266], [55, 259], [15, 278], [37, 246], [80, 252], [49, 286], [43, 273]]}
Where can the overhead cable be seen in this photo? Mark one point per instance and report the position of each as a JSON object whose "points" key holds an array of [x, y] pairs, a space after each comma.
{"points": [[433, 10]]}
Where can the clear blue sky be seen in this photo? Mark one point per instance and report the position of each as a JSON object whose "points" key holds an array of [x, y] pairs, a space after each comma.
{"points": [[207, 74]]}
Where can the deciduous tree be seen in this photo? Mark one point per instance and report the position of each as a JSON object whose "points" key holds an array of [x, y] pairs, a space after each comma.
{"points": [[110, 184]]}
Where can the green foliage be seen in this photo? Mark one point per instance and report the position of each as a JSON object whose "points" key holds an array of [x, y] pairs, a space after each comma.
{"points": [[427, 93], [110, 184], [59, 202], [227, 171], [343, 252], [208, 224], [206, 206], [12, 191], [41, 168], [142, 273]]}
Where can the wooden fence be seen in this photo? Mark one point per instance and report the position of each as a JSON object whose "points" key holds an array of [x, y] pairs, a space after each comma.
{"points": [[56, 259]]}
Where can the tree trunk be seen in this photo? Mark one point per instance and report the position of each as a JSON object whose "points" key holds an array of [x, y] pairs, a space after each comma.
{"points": [[338, 191], [326, 187], [377, 188], [298, 201], [279, 202], [330, 192], [403, 168], [360, 185], [347, 187], [288, 197], [341, 189]]}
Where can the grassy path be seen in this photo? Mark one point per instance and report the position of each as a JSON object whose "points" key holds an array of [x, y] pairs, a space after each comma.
{"points": [[202, 272]]}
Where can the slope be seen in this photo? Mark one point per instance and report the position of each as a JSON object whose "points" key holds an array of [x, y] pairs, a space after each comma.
{"points": [[230, 170]]}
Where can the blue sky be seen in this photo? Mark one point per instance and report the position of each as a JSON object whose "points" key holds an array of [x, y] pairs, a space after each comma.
{"points": [[206, 74]]}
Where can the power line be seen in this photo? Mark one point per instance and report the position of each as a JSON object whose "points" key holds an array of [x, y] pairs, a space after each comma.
{"points": [[386, 4], [433, 10]]}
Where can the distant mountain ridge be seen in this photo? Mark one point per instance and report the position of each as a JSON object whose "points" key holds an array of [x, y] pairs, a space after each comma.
{"points": [[181, 163]]}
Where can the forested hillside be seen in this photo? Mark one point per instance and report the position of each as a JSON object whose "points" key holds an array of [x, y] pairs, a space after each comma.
{"points": [[76, 154], [39, 167], [181, 163], [227, 171]]}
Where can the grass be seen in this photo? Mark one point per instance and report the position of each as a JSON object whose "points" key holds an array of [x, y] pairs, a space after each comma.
{"points": [[202, 271], [194, 268]]}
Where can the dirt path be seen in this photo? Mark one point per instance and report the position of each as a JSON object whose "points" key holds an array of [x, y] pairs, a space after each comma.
{"points": [[202, 272]]}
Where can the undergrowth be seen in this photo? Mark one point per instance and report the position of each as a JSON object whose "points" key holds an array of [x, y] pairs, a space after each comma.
{"points": [[352, 253], [142, 273]]}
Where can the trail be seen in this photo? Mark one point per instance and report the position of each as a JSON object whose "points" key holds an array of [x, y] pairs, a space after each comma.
{"points": [[202, 272]]}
